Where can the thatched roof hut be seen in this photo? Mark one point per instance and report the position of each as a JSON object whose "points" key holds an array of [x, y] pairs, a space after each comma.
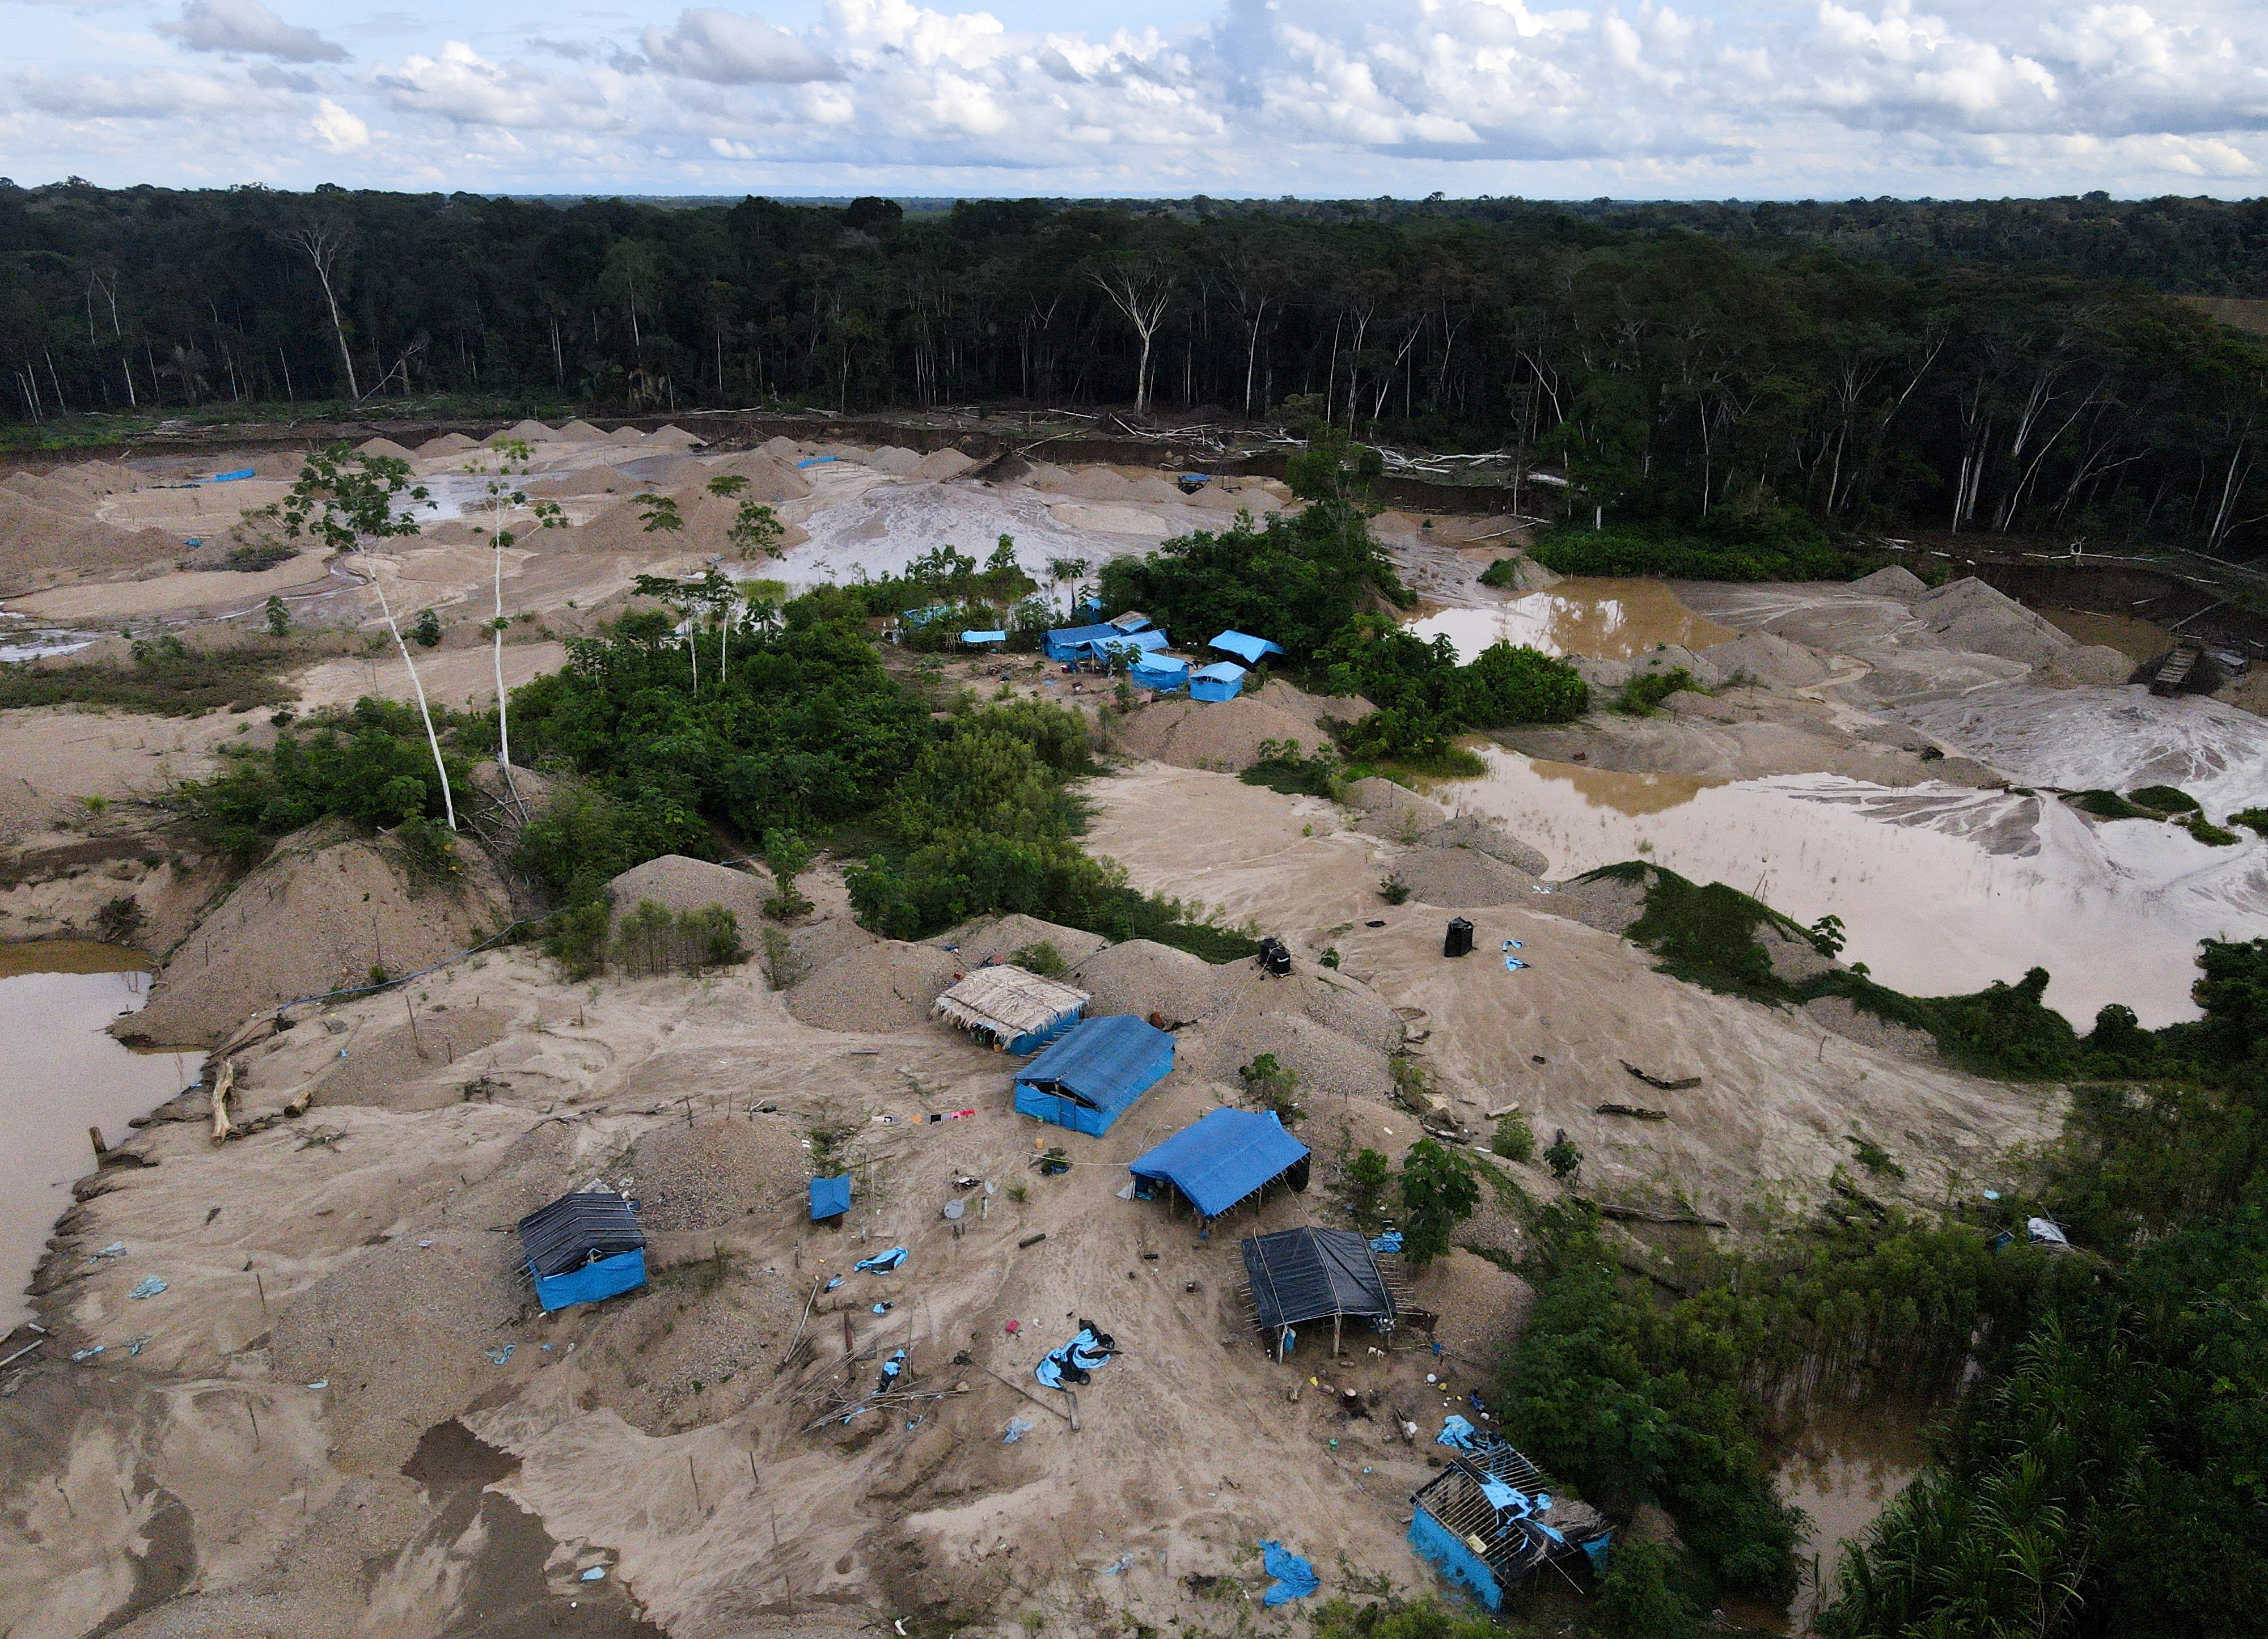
{"points": [[1019, 1010]]}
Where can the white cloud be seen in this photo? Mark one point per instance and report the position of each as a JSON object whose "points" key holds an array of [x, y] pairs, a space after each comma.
{"points": [[247, 28], [726, 49], [339, 131], [1629, 97]]}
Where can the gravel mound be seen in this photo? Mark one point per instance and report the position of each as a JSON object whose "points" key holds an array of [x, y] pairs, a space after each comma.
{"points": [[672, 436], [895, 459], [2093, 663], [317, 914], [1329, 1064], [1836, 1013], [527, 431], [38, 540], [982, 941], [399, 1069], [447, 444], [679, 884], [591, 481], [1460, 878], [1225, 735], [1143, 977], [1772, 661], [770, 479], [625, 435], [713, 1175], [581, 431], [1393, 810], [941, 463], [1346, 1005], [1969, 614], [1486, 836], [1088, 483], [1605, 903], [1894, 582], [1792, 959], [786, 450], [385, 446], [883, 986]]}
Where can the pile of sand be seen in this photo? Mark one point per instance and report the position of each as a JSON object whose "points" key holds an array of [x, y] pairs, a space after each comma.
{"points": [[770, 478], [37, 542], [581, 431], [943, 464], [526, 431], [591, 481], [816, 941], [980, 942], [1143, 977], [1085, 484], [324, 909], [385, 447], [895, 459], [1333, 999], [679, 884], [1894, 582], [398, 1068], [1327, 1062], [1224, 734], [883, 986], [625, 435], [447, 444], [1792, 959], [1969, 614], [786, 450], [1772, 660], [1487, 837], [712, 1174], [1607, 904], [672, 437], [1460, 879], [1394, 811]]}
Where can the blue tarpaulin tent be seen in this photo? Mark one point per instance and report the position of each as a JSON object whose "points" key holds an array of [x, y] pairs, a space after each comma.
{"points": [[583, 1247], [922, 617], [1221, 1159], [830, 1197], [1131, 643], [1158, 672], [1220, 680], [1069, 642], [984, 637], [1246, 648], [1091, 1076]]}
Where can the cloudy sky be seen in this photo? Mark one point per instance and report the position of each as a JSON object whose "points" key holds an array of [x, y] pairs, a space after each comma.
{"points": [[1725, 98]]}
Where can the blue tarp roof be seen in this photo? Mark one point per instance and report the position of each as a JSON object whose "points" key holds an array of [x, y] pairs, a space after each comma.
{"points": [[984, 637], [1221, 671], [1146, 642], [1223, 1159], [922, 617], [1072, 636], [1104, 1060], [830, 1197], [1246, 647], [1156, 671]]}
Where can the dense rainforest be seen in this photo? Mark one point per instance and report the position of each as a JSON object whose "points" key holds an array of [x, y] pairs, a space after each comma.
{"points": [[2014, 367]]}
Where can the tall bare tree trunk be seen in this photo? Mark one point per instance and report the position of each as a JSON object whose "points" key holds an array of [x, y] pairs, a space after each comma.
{"points": [[433, 740]]}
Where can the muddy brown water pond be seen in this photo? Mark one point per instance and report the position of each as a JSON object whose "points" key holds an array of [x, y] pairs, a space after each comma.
{"points": [[1842, 1467], [60, 1073], [1600, 618]]}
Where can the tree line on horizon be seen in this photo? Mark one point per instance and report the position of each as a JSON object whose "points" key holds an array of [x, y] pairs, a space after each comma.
{"points": [[2013, 366]]}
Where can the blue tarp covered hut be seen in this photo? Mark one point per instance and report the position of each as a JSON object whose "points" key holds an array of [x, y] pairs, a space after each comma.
{"points": [[1220, 1160], [1091, 1077], [984, 637], [922, 617], [1069, 642], [1490, 1519], [1162, 673], [1221, 681], [830, 1197], [1247, 649], [583, 1247], [1129, 643]]}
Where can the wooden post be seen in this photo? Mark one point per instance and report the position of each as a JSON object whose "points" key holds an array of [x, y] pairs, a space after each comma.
{"points": [[101, 1150], [415, 1041], [1335, 1335]]}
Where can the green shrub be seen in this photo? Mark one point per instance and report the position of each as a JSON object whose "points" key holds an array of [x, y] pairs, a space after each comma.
{"points": [[1273, 1086], [1648, 689], [1394, 890], [1513, 1138], [2165, 799], [2209, 834], [1281, 767], [577, 938], [2252, 818], [1636, 1598], [1041, 957], [2108, 806], [1438, 1192], [1504, 574], [1364, 1183], [1572, 550]]}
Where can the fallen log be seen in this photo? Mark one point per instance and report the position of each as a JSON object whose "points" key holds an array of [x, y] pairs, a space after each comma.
{"points": [[1680, 1083], [1634, 1111], [1647, 1214]]}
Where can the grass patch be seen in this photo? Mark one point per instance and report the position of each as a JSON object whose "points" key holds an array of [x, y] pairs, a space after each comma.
{"points": [[2207, 833], [2165, 799], [1643, 694], [166, 678], [2251, 819], [1281, 767], [1572, 551], [2108, 806]]}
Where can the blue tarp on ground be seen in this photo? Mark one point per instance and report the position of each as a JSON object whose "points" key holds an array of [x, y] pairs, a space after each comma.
{"points": [[830, 1197], [1158, 672], [813, 461], [1220, 680], [229, 478], [984, 637], [1068, 643], [1091, 1077], [592, 1282], [1295, 1578], [1223, 1159], [1245, 648]]}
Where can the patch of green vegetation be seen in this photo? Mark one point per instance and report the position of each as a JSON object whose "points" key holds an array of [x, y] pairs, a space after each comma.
{"points": [[2251, 819], [1873, 1156], [1273, 1086], [1504, 574], [1438, 1192], [1645, 692], [2165, 799], [1041, 957], [165, 679], [1706, 936], [1281, 767], [2108, 806], [651, 940], [1798, 552], [2207, 833], [1513, 1138]]}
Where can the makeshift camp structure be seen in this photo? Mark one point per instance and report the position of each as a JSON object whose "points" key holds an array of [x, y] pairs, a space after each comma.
{"points": [[1245, 648], [830, 1197], [1303, 1274], [1222, 681], [1013, 1009], [1069, 642], [1133, 645], [583, 1247], [1162, 673], [978, 639], [1489, 1519], [1132, 620], [1091, 1077], [1229, 1156]]}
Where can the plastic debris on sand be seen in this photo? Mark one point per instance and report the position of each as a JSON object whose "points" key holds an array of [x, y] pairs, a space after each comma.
{"points": [[499, 1353], [1457, 1432], [150, 1287], [1018, 1427], [1295, 1578], [882, 1262]]}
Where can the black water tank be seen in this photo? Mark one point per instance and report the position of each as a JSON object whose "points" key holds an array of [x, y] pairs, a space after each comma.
{"points": [[1276, 956], [1460, 939]]}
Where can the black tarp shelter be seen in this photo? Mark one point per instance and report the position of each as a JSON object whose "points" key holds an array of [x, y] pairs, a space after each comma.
{"points": [[1302, 1275]]}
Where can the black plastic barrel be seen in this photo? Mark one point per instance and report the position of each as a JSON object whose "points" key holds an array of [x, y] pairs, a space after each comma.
{"points": [[1460, 939]]}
